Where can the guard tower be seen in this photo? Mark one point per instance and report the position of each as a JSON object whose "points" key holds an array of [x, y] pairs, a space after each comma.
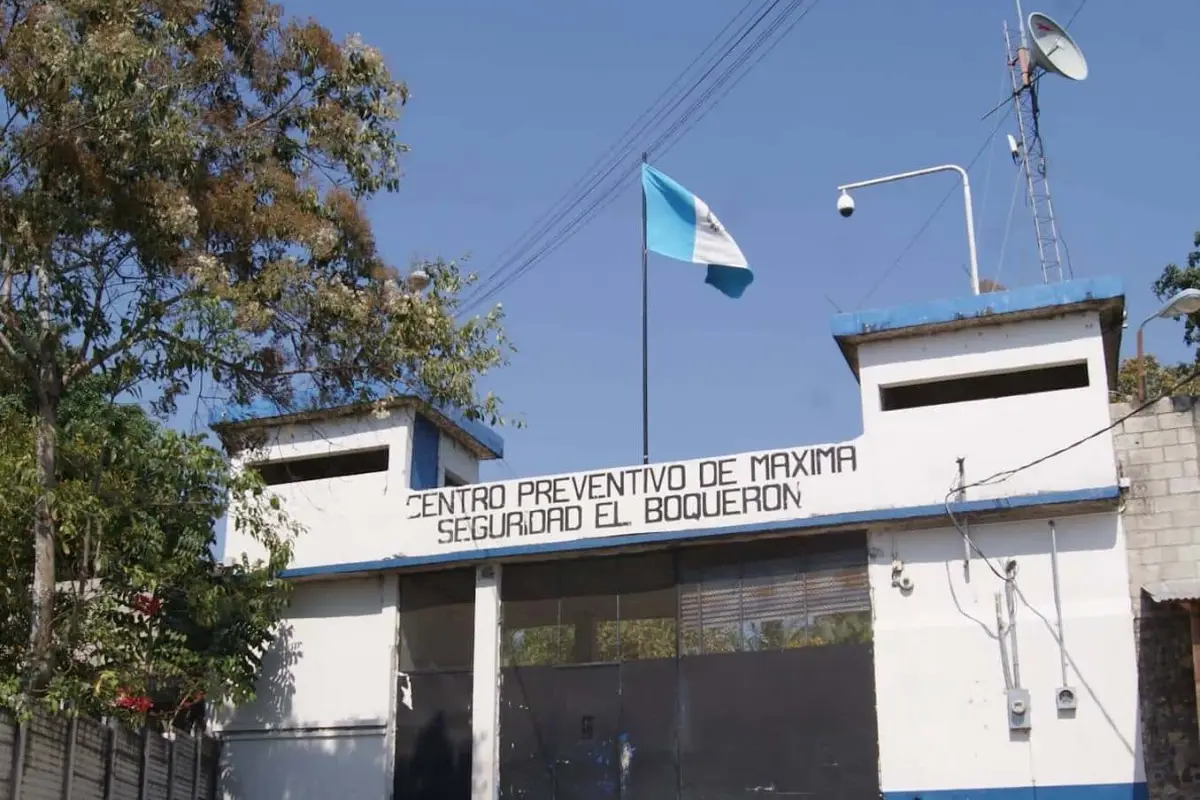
{"points": [[341, 471], [956, 391]]}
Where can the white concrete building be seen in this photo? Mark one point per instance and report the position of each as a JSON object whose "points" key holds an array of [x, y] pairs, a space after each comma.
{"points": [[846, 619]]}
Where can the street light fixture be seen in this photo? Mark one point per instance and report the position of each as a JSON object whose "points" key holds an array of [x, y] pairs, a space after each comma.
{"points": [[846, 206], [418, 279], [1185, 301]]}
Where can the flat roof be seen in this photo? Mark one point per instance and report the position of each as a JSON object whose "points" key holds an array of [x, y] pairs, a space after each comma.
{"points": [[1046, 301], [481, 440]]}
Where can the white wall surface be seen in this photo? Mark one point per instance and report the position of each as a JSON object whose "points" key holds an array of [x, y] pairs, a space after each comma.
{"points": [[485, 698], [915, 448], [939, 678], [339, 515], [453, 457], [332, 660], [322, 708], [904, 459]]}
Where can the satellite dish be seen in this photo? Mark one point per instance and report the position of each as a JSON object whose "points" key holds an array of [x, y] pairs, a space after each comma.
{"points": [[1054, 50]]}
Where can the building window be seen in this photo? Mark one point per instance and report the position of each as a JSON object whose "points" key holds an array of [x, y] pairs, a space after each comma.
{"points": [[322, 467], [991, 386]]}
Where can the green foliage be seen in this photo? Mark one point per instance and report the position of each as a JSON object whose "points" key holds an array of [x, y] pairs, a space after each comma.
{"points": [[1161, 379], [182, 207], [1168, 379], [1174, 279], [135, 505], [657, 638]]}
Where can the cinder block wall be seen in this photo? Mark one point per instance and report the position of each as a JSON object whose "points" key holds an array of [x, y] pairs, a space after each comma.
{"points": [[1157, 451]]}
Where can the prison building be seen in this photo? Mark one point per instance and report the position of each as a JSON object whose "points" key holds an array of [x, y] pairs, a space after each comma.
{"points": [[938, 608]]}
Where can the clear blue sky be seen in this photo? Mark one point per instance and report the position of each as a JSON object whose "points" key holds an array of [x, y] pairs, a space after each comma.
{"points": [[511, 101]]}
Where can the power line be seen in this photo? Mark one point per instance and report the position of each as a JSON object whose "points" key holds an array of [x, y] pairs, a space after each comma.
{"points": [[937, 210], [1078, 8], [596, 175], [626, 139], [700, 107], [1004, 475], [664, 140]]}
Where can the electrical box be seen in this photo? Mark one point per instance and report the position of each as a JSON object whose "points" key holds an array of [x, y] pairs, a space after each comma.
{"points": [[1066, 699], [1018, 710]]}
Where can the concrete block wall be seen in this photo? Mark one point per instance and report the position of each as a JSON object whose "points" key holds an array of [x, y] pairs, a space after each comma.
{"points": [[1157, 451]]}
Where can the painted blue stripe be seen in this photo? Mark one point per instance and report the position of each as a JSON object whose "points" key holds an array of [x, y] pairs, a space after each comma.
{"points": [[1027, 298], [423, 472], [670, 216], [827, 521], [731, 281], [1102, 791]]}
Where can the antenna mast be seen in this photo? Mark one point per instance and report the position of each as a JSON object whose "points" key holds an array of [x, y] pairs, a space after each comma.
{"points": [[1032, 154]]}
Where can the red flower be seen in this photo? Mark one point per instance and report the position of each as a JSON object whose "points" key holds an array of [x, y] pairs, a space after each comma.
{"points": [[138, 703], [146, 604]]}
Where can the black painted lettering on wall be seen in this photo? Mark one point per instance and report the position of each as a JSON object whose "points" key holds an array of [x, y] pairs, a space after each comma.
{"points": [[767, 483], [729, 502], [510, 524], [717, 473], [811, 461]]}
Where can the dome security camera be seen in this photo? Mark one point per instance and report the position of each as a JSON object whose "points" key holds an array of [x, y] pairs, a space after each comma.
{"points": [[845, 205]]}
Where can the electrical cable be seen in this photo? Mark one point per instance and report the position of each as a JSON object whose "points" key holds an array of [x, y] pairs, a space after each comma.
{"points": [[1004, 475], [775, 25], [1078, 8], [591, 179], [1012, 206], [610, 194], [625, 140], [991, 163], [696, 111], [937, 210]]}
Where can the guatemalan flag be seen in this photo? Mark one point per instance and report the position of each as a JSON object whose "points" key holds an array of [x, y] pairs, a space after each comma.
{"points": [[680, 225]]}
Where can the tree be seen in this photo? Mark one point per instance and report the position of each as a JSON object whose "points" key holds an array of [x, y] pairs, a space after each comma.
{"points": [[1169, 379], [182, 189], [1173, 378], [144, 618], [1174, 279]]}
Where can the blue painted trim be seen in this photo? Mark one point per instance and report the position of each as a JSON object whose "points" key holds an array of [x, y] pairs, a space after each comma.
{"points": [[426, 441], [1025, 299], [1102, 791], [305, 401], [607, 542]]}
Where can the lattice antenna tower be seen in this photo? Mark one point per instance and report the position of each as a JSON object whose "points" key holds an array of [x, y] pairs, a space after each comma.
{"points": [[1042, 46]]}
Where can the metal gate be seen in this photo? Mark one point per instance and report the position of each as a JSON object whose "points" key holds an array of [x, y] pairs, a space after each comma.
{"points": [[433, 691], [715, 671]]}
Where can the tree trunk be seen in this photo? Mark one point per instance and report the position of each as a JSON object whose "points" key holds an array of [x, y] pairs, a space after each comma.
{"points": [[41, 636]]}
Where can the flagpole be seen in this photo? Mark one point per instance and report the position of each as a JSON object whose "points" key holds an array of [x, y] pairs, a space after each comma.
{"points": [[645, 336]]}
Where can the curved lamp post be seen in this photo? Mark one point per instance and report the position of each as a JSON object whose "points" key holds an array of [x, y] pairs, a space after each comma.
{"points": [[966, 184], [1186, 301]]}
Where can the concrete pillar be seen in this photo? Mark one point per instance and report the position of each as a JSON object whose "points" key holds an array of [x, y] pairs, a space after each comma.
{"points": [[485, 697], [389, 587]]}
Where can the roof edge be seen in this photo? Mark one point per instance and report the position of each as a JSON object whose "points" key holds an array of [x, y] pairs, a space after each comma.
{"points": [[483, 442], [1047, 301]]}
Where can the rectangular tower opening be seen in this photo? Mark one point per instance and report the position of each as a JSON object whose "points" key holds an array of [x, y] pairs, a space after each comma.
{"points": [[327, 465], [1011, 383]]}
